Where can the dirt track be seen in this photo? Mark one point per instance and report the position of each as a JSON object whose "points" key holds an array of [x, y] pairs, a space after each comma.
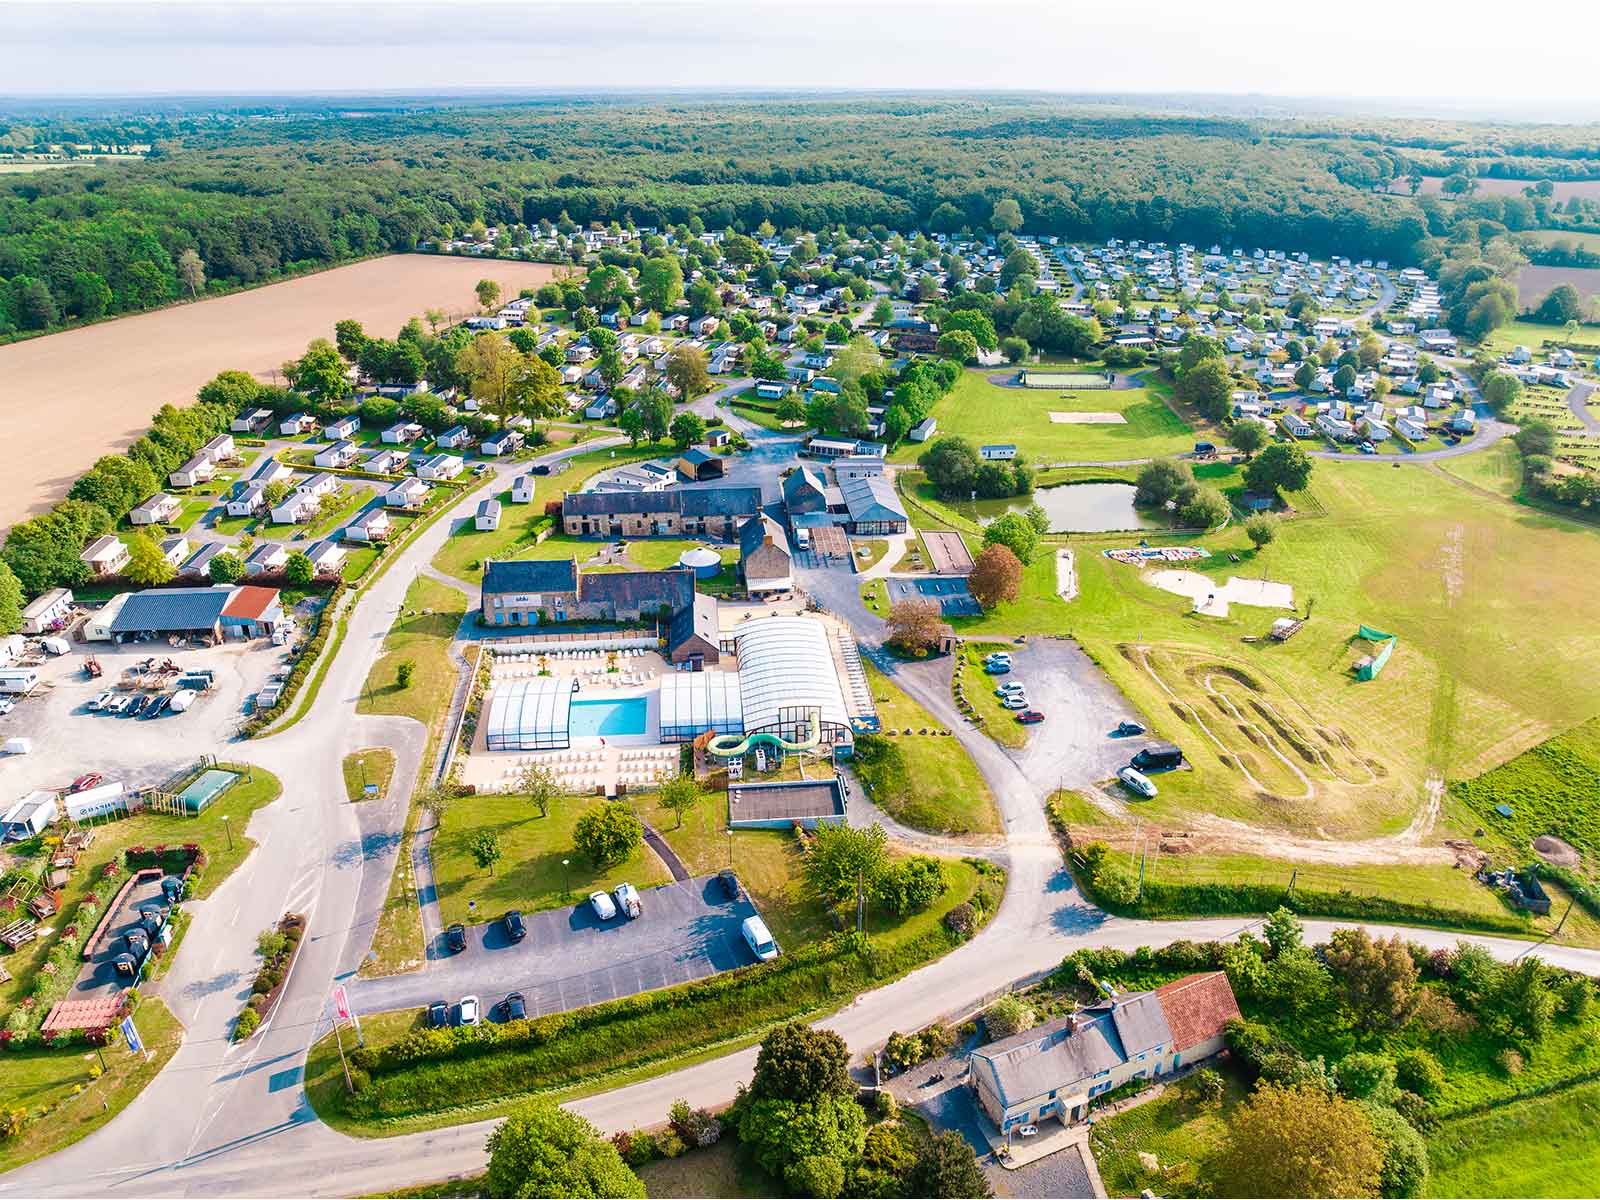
{"points": [[70, 397]]}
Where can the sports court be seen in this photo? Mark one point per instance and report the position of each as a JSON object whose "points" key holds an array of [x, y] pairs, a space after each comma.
{"points": [[950, 594], [1065, 379], [947, 552]]}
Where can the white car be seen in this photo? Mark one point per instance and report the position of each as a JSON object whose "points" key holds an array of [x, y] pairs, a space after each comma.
{"points": [[1016, 702], [628, 902], [1012, 687], [6, 705], [471, 1011], [100, 701], [604, 907], [759, 939]]}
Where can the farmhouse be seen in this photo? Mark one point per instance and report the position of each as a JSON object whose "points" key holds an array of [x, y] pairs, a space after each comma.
{"points": [[526, 592], [1058, 1068], [674, 512], [764, 560]]}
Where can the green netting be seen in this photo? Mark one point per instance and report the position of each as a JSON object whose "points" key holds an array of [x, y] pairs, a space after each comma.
{"points": [[1372, 667], [1368, 633]]}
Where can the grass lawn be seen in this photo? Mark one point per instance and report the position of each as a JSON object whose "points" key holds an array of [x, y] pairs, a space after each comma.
{"points": [[467, 548], [352, 497], [372, 765], [937, 786], [207, 830], [720, 1170], [1497, 469], [62, 1083], [875, 549], [1533, 335], [1543, 1146], [1181, 1130], [657, 554], [763, 418], [529, 876], [421, 635], [999, 722], [397, 943], [981, 412], [1467, 581]]}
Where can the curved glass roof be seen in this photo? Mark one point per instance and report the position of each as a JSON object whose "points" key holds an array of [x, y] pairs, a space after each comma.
{"points": [[695, 701], [529, 714], [785, 662]]}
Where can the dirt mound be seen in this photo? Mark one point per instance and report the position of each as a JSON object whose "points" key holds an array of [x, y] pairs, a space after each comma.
{"points": [[1556, 852]]}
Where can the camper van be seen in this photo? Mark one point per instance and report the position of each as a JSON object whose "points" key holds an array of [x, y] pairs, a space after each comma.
{"points": [[1160, 756], [758, 938], [1136, 782]]}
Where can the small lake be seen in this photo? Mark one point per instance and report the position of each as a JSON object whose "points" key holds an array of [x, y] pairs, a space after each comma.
{"points": [[1075, 508]]}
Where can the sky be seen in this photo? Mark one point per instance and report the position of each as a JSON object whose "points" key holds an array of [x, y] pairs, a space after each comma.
{"points": [[1404, 51]]}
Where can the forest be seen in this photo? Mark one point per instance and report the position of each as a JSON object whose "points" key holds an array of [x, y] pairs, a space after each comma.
{"points": [[236, 197]]}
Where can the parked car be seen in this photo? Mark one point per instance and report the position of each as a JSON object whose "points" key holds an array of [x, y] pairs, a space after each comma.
{"points": [[1011, 687], [137, 707], [118, 705], [84, 782], [516, 928], [161, 704], [1368, 448], [730, 885], [1136, 782], [1203, 448], [602, 905], [1016, 701], [1030, 716], [438, 1015], [6, 705], [513, 1007], [759, 939], [628, 902], [100, 701], [481, 469], [997, 668], [455, 937], [998, 656], [469, 1012], [1161, 756], [1128, 729]]}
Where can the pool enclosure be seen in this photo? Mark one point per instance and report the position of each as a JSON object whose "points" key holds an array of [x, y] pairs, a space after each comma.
{"points": [[529, 714], [696, 701]]}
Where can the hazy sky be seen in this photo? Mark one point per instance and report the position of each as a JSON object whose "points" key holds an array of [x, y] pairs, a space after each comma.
{"points": [[1352, 49]]}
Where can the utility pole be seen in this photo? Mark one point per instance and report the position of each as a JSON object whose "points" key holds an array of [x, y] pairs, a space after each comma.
{"points": [[1563, 921], [1293, 875], [338, 1037]]}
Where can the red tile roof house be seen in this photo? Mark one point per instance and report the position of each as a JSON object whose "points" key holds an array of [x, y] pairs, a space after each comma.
{"points": [[1058, 1068]]}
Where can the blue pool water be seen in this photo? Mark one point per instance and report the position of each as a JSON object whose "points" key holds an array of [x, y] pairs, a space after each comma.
{"points": [[608, 718]]}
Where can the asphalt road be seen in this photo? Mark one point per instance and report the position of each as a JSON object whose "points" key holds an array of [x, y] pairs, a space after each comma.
{"points": [[1578, 402], [570, 958]]}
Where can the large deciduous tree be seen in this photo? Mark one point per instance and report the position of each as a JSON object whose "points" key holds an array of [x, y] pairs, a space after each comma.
{"points": [[1297, 1142], [915, 625], [1282, 466], [541, 1149], [608, 833], [996, 577]]}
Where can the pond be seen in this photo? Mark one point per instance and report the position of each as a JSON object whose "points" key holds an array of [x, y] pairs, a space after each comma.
{"points": [[1076, 508]]}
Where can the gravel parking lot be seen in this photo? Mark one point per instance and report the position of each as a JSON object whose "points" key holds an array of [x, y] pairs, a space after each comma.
{"points": [[569, 959], [69, 740]]}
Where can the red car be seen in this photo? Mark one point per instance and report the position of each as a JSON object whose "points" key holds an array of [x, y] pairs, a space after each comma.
{"points": [[84, 782], [1030, 716]]}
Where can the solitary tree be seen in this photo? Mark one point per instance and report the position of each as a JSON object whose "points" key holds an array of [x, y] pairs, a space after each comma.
{"points": [[192, 271], [679, 794], [844, 860], [1016, 533], [541, 1149], [915, 625], [1006, 217], [687, 428], [538, 783], [1282, 466], [298, 569], [488, 292], [996, 577], [608, 833], [1261, 530], [485, 847], [1248, 436], [687, 371], [404, 673], [1298, 1141]]}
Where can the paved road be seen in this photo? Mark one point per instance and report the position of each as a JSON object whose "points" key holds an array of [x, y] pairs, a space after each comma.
{"points": [[233, 1120], [1578, 402]]}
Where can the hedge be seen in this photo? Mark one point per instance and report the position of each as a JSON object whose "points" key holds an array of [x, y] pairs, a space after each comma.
{"points": [[307, 659]]}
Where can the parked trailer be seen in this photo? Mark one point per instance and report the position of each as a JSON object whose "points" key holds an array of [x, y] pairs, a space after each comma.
{"points": [[18, 681], [182, 700]]}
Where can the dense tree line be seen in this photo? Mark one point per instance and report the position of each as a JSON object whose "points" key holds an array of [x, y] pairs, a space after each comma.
{"points": [[255, 200]]}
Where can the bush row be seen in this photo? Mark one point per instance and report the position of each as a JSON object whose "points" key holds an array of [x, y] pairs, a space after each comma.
{"points": [[304, 664], [283, 944]]}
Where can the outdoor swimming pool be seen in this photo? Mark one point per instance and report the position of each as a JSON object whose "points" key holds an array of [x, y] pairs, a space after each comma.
{"points": [[608, 718]]}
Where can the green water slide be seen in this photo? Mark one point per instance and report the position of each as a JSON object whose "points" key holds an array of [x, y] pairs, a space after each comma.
{"points": [[732, 745]]}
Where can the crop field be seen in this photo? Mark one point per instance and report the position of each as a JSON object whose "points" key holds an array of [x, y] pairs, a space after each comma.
{"points": [[73, 396], [1290, 738], [983, 412], [1534, 283], [1565, 189]]}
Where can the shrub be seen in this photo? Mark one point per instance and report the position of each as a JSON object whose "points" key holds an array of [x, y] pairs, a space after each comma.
{"points": [[1509, 1061], [1207, 1085], [1418, 1071], [1006, 1016], [1366, 1077], [669, 1145], [961, 920], [245, 1024], [816, 1175], [886, 1104]]}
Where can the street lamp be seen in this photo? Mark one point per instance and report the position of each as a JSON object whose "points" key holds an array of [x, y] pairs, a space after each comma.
{"points": [[362, 763], [730, 848], [566, 878], [226, 828]]}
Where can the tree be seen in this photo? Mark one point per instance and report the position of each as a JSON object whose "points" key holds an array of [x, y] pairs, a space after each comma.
{"points": [[1283, 931], [1006, 216], [608, 833], [805, 1144], [1202, 507], [192, 272], [1304, 374], [320, 373], [349, 339], [687, 371], [631, 421], [661, 283], [147, 566], [790, 410], [1501, 390], [958, 346], [948, 1169], [996, 577], [687, 428], [915, 625], [1377, 978], [882, 312], [842, 860], [951, 465], [488, 293], [10, 601], [970, 320], [1209, 387], [541, 1149], [1016, 533], [655, 412], [1404, 1153], [1261, 530], [1197, 348], [404, 673], [1248, 436], [1160, 481], [859, 357], [679, 794], [1297, 1142], [1015, 349], [539, 784], [1536, 437], [1282, 466], [1007, 1016], [298, 569], [485, 848], [275, 492], [801, 1063]]}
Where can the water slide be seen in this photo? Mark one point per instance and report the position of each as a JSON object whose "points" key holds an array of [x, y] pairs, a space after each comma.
{"points": [[731, 745]]}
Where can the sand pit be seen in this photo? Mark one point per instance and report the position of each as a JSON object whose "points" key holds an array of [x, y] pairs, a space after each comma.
{"points": [[1213, 601], [1066, 575], [1556, 852], [73, 396], [1087, 418]]}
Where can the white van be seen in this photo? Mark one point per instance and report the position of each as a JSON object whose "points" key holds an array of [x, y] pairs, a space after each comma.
{"points": [[802, 538], [1136, 781], [759, 940]]}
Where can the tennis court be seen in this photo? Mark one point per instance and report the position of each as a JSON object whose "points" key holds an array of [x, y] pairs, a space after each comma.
{"points": [[206, 788], [1086, 380]]}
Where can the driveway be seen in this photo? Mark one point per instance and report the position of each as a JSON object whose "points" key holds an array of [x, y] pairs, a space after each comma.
{"points": [[570, 959], [1578, 402]]}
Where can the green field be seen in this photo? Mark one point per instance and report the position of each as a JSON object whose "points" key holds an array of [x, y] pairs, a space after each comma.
{"points": [[1543, 1146], [981, 412], [1466, 580], [1554, 788], [421, 635], [1497, 469], [1533, 335]]}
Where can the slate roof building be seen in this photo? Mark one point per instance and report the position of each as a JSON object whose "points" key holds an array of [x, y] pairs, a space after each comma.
{"points": [[534, 591], [1058, 1068], [673, 512], [873, 508]]}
